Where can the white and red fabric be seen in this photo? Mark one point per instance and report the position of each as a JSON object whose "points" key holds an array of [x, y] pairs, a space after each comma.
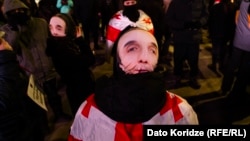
{"points": [[216, 1], [90, 124], [119, 22]]}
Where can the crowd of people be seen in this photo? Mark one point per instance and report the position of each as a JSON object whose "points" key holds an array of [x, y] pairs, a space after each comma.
{"points": [[51, 40]]}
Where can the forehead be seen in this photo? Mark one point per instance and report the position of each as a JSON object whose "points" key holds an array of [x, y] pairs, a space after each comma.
{"points": [[137, 34], [57, 21]]}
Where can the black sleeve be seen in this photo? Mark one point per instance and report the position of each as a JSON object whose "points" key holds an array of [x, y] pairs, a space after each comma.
{"points": [[237, 4], [8, 70], [87, 54]]}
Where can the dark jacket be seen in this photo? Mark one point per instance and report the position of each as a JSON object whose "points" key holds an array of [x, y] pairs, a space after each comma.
{"points": [[86, 11], [221, 20], [217, 20], [30, 47], [72, 58], [186, 18], [17, 112], [29, 42]]}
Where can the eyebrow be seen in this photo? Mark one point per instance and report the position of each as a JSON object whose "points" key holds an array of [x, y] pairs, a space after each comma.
{"points": [[129, 42], [58, 26], [133, 41]]}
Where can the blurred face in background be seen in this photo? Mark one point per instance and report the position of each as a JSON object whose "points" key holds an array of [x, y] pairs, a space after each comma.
{"points": [[57, 27], [137, 52]]}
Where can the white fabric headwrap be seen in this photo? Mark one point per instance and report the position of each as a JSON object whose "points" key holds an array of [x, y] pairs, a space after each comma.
{"points": [[119, 22]]}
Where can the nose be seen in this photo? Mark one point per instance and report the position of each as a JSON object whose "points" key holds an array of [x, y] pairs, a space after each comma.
{"points": [[53, 33], [143, 57], [143, 61]]}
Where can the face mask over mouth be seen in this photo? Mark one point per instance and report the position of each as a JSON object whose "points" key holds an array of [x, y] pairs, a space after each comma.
{"points": [[18, 17]]}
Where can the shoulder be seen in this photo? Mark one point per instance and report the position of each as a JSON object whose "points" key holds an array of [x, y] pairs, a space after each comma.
{"points": [[174, 100], [180, 109], [90, 119], [40, 21]]}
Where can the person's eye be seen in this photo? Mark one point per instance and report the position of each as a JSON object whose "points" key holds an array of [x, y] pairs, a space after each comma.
{"points": [[153, 50], [132, 48], [59, 28]]}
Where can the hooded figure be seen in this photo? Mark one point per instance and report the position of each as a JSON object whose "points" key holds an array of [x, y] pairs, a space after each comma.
{"points": [[10, 5], [130, 10], [133, 96], [28, 36], [16, 12], [72, 58]]}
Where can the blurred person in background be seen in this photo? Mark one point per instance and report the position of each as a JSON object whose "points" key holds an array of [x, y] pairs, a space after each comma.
{"points": [[20, 117], [186, 19], [72, 58], [236, 75], [107, 10], [221, 27], [86, 13], [28, 36]]}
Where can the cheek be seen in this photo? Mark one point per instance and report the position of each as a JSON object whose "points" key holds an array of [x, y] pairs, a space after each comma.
{"points": [[58, 33], [126, 60], [153, 60]]}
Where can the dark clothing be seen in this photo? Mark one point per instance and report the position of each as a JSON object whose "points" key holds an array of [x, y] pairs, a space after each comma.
{"points": [[107, 8], [131, 98], [86, 12], [236, 73], [221, 27], [186, 23], [47, 9], [29, 42], [217, 32], [72, 60], [181, 54], [220, 52], [32, 6], [21, 119], [185, 19], [237, 70], [28, 39], [217, 20]]}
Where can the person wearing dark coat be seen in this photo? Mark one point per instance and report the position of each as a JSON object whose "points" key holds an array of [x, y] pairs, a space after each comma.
{"points": [[28, 36], [186, 19], [20, 118], [72, 58], [86, 12], [221, 27]]}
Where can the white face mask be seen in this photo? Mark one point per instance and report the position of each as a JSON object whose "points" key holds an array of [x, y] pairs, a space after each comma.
{"points": [[57, 27]]}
